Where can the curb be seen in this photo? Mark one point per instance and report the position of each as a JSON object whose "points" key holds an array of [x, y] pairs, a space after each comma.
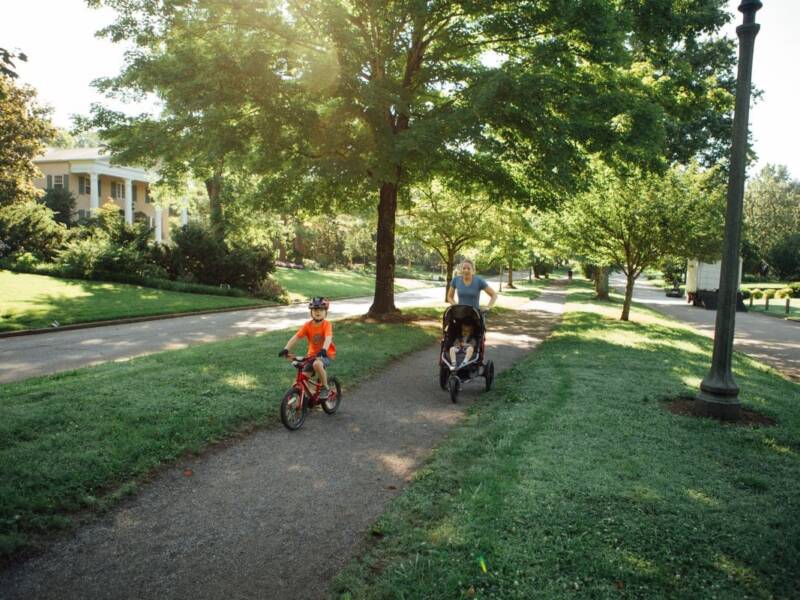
{"points": [[91, 324]]}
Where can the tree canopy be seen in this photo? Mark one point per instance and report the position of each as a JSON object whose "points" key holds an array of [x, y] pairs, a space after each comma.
{"points": [[355, 102], [24, 129]]}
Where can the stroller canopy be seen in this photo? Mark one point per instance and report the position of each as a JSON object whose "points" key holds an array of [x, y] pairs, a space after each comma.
{"points": [[462, 313]]}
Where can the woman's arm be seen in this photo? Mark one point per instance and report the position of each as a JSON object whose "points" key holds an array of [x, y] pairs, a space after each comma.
{"points": [[492, 295], [451, 295]]}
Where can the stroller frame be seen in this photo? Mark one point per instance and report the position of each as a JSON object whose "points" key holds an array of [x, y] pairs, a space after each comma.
{"points": [[452, 377]]}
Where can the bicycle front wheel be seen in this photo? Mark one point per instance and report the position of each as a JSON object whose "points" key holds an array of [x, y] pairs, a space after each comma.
{"points": [[331, 405], [293, 410]]}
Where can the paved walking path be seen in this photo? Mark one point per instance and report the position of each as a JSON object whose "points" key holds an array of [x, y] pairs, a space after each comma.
{"points": [[277, 514], [773, 341], [28, 356]]}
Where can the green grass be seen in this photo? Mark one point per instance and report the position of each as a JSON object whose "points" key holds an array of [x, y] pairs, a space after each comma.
{"points": [[525, 288], [571, 480], [81, 439], [302, 284], [777, 307], [34, 301]]}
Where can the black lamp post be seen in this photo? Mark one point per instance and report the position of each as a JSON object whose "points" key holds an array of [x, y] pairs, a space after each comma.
{"points": [[719, 394]]}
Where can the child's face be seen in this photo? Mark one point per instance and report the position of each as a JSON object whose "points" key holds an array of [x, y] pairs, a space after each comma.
{"points": [[466, 330], [318, 314]]}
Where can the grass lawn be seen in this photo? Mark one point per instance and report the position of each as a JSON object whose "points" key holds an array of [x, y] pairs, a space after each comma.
{"points": [[570, 479], [777, 307], [33, 301], [525, 288], [302, 284], [82, 439]]}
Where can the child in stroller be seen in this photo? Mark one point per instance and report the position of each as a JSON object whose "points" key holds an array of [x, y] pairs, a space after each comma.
{"points": [[465, 345]]}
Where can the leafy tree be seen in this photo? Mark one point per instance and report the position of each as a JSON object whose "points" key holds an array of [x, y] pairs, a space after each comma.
{"points": [[24, 129], [509, 236], [356, 102], [222, 90], [634, 220], [7, 65], [784, 257], [80, 139], [444, 220], [62, 203], [771, 211]]}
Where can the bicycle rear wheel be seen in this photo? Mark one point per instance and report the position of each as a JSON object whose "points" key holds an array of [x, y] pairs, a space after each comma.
{"points": [[331, 405], [293, 410]]}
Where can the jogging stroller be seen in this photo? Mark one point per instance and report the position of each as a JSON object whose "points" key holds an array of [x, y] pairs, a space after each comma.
{"points": [[452, 377]]}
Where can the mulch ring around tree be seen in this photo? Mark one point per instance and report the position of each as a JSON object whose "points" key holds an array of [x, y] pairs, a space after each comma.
{"points": [[684, 407]]}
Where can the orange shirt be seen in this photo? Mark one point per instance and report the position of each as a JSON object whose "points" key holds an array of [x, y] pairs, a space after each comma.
{"points": [[316, 333]]}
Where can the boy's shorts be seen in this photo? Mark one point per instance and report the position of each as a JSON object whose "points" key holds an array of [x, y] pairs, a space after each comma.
{"points": [[325, 363]]}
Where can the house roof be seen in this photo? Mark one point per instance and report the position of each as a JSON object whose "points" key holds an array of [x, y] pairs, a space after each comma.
{"points": [[53, 154]]}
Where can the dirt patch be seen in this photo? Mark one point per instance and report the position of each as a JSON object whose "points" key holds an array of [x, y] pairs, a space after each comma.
{"points": [[684, 407]]}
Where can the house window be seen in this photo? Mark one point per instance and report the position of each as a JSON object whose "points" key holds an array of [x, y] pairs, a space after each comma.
{"points": [[58, 181], [84, 185], [117, 190], [133, 193], [147, 198]]}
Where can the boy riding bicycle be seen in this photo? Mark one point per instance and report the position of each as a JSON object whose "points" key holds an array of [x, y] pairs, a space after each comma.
{"points": [[319, 333]]}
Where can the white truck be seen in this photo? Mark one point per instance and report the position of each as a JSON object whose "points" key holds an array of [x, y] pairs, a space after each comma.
{"points": [[702, 284]]}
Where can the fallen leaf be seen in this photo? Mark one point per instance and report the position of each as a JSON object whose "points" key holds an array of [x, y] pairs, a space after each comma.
{"points": [[188, 472]]}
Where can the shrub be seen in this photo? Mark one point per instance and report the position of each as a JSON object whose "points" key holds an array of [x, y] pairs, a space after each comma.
{"points": [[30, 227], [108, 248], [795, 287], [62, 203], [770, 293], [757, 293], [270, 289], [784, 293], [310, 263], [197, 255], [745, 294]]}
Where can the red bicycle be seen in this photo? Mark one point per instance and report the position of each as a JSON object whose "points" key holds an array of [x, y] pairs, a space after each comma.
{"points": [[304, 395]]}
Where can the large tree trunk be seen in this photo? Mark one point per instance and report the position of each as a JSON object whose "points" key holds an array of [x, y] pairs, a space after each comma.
{"points": [[214, 189], [626, 306], [383, 302], [510, 276], [601, 282]]}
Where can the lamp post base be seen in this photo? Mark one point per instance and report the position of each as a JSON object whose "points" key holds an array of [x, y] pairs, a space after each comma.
{"points": [[725, 407]]}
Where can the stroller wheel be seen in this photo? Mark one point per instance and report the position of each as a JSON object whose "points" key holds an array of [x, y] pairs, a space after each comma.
{"points": [[488, 373], [444, 375], [453, 385]]}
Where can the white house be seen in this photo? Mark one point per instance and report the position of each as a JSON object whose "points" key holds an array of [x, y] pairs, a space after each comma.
{"points": [[94, 179]]}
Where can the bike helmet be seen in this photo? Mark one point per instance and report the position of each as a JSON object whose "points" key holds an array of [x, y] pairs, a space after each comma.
{"points": [[319, 302]]}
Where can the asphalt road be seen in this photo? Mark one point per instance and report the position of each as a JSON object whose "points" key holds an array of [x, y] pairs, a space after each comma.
{"points": [[773, 341], [277, 514], [28, 356]]}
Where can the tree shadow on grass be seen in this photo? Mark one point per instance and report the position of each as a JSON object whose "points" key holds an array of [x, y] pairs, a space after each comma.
{"points": [[571, 476]]}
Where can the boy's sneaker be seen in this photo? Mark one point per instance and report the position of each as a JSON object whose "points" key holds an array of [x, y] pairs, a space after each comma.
{"points": [[323, 394]]}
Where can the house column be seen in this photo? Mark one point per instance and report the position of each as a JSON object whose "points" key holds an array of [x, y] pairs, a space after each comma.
{"points": [[184, 216], [159, 236], [128, 200], [94, 193]]}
